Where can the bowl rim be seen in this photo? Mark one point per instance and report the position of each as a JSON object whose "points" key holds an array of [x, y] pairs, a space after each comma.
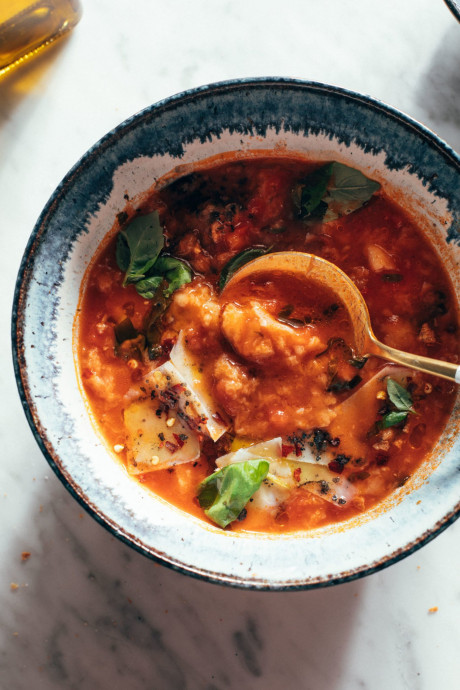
{"points": [[24, 276], [454, 7]]}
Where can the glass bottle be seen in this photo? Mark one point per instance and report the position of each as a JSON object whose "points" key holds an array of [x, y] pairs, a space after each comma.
{"points": [[28, 26]]}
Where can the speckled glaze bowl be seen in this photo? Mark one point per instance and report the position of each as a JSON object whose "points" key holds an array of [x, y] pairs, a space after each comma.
{"points": [[454, 7], [324, 123]]}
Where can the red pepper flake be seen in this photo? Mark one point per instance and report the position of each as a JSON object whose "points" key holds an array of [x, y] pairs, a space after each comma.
{"points": [[286, 450], [336, 467], [298, 450], [217, 418], [171, 446], [193, 422], [178, 387], [169, 397], [180, 441], [168, 345], [358, 476], [297, 473]]}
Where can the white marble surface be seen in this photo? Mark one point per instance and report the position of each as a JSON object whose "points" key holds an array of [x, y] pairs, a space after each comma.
{"points": [[88, 612]]}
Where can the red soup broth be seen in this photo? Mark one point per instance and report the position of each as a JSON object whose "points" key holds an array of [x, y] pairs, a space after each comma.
{"points": [[276, 352]]}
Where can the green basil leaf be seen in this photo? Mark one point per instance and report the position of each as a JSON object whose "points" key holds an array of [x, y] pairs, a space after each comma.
{"points": [[224, 494], [286, 311], [122, 253], [164, 264], [125, 331], [148, 286], [239, 260], [294, 323], [350, 185], [129, 343], [332, 191], [176, 272], [152, 320], [138, 246], [399, 396], [284, 317], [357, 362], [393, 418], [337, 385], [309, 193]]}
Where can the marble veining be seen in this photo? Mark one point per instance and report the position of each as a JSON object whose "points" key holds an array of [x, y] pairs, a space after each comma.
{"points": [[84, 611]]}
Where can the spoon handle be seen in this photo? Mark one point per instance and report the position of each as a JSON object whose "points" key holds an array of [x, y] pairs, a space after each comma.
{"points": [[447, 370]]}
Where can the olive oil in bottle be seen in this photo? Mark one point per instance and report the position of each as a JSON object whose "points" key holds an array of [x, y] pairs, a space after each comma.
{"points": [[28, 26]]}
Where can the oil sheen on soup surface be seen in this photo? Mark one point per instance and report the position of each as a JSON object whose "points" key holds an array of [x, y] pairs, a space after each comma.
{"points": [[251, 408]]}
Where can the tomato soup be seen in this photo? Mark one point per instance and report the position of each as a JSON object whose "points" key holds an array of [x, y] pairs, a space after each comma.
{"points": [[249, 406]]}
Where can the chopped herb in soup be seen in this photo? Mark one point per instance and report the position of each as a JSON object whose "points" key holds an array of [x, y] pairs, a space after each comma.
{"points": [[249, 406]]}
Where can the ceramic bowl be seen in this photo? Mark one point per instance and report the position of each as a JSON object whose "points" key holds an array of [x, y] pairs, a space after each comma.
{"points": [[454, 7], [325, 123]]}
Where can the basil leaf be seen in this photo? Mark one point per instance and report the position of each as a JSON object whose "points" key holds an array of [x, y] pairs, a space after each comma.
{"points": [[168, 270], [294, 323], [138, 246], [338, 385], [148, 286], [284, 314], [129, 343], [399, 396], [239, 260], [151, 322], [350, 185], [224, 494], [125, 331], [122, 253], [176, 272], [332, 191], [392, 418], [357, 362], [308, 195]]}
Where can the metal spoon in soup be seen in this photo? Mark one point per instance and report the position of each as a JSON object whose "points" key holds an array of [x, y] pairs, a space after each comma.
{"points": [[314, 268]]}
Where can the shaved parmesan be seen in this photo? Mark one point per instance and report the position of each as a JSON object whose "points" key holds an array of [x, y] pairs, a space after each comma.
{"points": [[270, 492], [152, 444], [268, 450], [288, 473], [356, 415], [307, 454], [315, 477], [180, 383]]}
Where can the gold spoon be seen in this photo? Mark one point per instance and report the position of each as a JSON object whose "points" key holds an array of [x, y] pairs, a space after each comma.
{"points": [[322, 271]]}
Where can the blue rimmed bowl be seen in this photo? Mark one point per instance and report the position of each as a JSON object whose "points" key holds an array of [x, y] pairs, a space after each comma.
{"points": [[454, 7], [319, 121]]}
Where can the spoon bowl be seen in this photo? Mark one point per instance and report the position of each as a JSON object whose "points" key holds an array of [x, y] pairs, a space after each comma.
{"points": [[314, 268]]}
